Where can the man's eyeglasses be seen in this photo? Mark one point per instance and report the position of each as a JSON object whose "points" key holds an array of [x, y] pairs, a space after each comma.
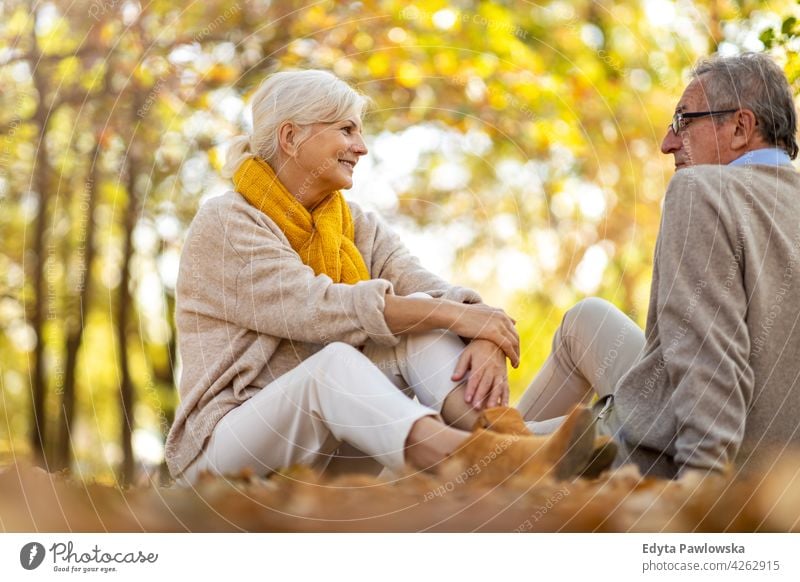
{"points": [[681, 120]]}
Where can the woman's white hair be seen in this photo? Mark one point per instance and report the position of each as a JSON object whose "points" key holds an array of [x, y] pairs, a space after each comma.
{"points": [[302, 97]]}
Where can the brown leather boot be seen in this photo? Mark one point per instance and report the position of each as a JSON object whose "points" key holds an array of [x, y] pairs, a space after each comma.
{"points": [[508, 420], [503, 419], [489, 456], [605, 451]]}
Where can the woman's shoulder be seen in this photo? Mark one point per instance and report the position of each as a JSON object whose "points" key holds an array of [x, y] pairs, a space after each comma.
{"points": [[228, 202], [355, 209], [368, 225], [230, 217], [230, 210], [373, 234], [364, 219], [210, 209]]}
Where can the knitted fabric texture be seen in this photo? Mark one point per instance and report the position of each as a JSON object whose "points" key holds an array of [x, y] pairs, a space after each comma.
{"points": [[324, 238]]}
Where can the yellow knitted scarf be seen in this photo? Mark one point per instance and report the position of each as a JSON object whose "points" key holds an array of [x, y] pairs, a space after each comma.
{"points": [[324, 238]]}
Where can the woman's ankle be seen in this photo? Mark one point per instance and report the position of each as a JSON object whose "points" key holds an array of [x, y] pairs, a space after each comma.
{"points": [[430, 442], [457, 412]]}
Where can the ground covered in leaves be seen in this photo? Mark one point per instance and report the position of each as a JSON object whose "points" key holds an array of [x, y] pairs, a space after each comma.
{"points": [[301, 500]]}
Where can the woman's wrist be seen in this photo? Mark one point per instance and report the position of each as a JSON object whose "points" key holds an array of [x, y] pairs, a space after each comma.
{"points": [[444, 314], [417, 314]]}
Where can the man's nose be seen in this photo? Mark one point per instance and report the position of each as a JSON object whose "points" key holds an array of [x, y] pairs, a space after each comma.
{"points": [[672, 143]]}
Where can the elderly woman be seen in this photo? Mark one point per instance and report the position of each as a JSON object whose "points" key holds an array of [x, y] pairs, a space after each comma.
{"points": [[305, 324]]}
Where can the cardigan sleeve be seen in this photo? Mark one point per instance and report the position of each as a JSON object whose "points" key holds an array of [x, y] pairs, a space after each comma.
{"points": [[278, 295], [391, 260], [702, 321]]}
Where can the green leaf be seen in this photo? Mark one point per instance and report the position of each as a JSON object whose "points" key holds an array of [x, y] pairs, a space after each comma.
{"points": [[767, 37], [788, 25]]}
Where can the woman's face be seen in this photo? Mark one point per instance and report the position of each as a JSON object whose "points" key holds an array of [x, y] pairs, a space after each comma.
{"points": [[329, 154]]}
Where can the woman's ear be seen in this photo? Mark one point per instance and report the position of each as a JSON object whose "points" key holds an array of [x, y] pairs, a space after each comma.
{"points": [[745, 130], [288, 138]]}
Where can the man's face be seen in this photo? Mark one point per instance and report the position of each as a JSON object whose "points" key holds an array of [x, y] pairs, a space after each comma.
{"points": [[703, 140]]}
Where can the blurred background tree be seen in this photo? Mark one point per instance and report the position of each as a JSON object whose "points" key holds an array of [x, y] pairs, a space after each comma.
{"points": [[514, 144]]}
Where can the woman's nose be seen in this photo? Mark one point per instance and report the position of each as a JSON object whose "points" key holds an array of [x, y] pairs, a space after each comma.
{"points": [[359, 147]]}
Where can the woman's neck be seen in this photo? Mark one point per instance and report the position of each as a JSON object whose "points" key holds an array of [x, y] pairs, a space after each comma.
{"points": [[299, 184]]}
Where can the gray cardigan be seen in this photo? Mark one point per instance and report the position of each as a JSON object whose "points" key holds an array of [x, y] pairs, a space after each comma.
{"points": [[248, 310], [717, 382]]}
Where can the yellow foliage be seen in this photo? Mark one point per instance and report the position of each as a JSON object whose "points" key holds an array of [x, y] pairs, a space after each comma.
{"points": [[409, 75], [378, 64], [446, 63], [19, 23]]}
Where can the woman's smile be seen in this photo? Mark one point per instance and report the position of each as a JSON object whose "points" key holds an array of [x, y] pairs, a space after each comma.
{"points": [[350, 164]]}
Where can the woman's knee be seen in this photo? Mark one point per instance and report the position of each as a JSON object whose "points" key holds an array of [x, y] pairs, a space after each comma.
{"points": [[336, 350], [420, 295], [339, 356], [436, 339]]}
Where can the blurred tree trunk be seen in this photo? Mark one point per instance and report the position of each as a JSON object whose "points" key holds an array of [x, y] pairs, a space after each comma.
{"points": [[123, 310], [132, 170], [85, 252], [77, 320], [36, 305]]}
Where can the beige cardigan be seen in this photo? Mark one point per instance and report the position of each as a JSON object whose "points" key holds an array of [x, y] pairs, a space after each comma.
{"points": [[248, 310]]}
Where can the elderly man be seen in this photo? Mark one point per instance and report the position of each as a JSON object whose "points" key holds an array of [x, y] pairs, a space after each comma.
{"points": [[715, 381]]}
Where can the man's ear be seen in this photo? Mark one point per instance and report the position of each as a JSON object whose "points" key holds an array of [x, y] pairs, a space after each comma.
{"points": [[745, 130], [288, 138]]}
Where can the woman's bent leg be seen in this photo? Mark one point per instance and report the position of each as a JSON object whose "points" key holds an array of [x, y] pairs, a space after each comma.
{"points": [[429, 362], [595, 345], [336, 395], [422, 364]]}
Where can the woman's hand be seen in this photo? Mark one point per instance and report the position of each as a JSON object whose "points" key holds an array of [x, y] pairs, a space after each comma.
{"points": [[473, 321], [488, 379], [480, 321]]}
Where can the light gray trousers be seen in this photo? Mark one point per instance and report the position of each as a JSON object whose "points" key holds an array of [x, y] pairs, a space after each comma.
{"points": [[593, 348]]}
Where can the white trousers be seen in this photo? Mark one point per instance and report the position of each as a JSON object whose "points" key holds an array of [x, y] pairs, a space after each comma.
{"points": [[593, 348], [338, 395]]}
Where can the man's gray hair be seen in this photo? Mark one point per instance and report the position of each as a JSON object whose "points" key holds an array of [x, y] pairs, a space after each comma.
{"points": [[753, 81]]}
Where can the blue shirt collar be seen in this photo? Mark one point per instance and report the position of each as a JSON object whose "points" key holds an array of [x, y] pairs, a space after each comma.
{"points": [[765, 156]]}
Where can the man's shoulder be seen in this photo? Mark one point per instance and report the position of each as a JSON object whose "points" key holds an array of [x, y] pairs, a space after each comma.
{"points": [[725, 181], [704, 176], [697, 184]]}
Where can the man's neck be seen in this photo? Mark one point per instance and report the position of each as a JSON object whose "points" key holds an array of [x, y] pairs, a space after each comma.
{"points": [[767, 155]]}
